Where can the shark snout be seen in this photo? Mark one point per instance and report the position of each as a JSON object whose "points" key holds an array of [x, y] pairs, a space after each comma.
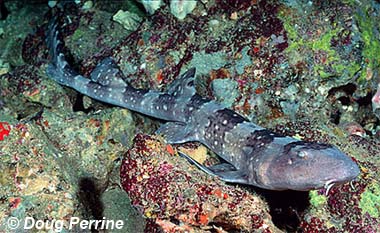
{"points": [[339, 167], [349, 170]]}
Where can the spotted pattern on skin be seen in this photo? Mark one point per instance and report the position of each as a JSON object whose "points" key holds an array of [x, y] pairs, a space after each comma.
{"points": [[164, 102], [96, 89], [61, 72], [219, 123], [107, 73], [178, 91], [184, 85], [307, 145], [133, 95], [263, 136], [259, 139], [194, 104]]}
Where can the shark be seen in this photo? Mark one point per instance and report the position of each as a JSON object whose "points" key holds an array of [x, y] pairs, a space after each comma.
{"points": [[250, 154]]}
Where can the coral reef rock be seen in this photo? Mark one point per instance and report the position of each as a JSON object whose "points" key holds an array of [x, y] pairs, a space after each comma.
{"points": [[176, 196]]}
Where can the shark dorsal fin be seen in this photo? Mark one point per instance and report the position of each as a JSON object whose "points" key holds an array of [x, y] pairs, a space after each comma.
{"points": [[184, 85], [107, 73]]}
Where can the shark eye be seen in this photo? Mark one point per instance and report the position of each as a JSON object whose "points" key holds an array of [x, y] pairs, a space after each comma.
{"points": [[302, 154]]}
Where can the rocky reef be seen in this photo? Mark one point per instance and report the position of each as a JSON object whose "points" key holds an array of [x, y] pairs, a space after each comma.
{"points": [[178, 197], [304, 69]]}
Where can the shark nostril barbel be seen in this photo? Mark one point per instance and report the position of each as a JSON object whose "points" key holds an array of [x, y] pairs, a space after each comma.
{"points": [[329, 184]]}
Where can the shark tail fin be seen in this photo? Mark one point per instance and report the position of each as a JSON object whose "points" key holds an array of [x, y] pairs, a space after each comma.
{"points": [[58, 69], [106, 73], [52, 40]]}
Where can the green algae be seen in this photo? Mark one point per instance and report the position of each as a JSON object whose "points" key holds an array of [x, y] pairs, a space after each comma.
{"points": [[322, 44], [78, 34], [371, 48], [295, 41], [370, 201], [317, 200]]}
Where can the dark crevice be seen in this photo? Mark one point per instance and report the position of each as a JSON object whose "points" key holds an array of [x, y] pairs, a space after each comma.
{"points": [[175, 221], [140, 7], [3, 10], [286, 207], [78, 105], [90, 197], [20, 116], [335, 117], [366, 100], [349, 89], [344, 100]]}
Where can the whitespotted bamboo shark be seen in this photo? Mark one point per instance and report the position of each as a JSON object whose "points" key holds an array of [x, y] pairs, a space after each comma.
{"points": [[252, 155]]}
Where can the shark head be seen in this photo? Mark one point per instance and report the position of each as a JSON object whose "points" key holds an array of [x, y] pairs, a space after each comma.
{"points": [[305, 166]]}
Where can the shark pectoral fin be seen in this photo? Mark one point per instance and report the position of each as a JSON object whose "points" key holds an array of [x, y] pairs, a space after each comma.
{"points": [[222, 167], [200, 166], [223, 171], [228, 173], [236, 176], [107, 73], [184, 85], [176, 132]]}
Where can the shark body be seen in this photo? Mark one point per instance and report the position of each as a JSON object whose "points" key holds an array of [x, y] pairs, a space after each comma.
{"points": [[252, 154]]}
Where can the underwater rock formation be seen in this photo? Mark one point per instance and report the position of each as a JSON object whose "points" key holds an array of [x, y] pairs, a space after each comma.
{"points": [[178, 8], [177, 196], [129, 20], [151, 5]]}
